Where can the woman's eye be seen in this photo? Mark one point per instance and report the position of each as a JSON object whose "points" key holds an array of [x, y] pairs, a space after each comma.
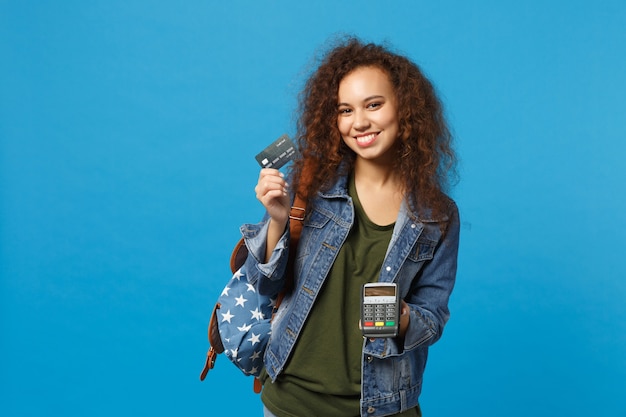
{"points": [[344, 111], [374, 105]]}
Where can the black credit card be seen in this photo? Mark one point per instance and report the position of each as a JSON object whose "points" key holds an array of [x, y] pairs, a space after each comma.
{"points": [[278, 153]]}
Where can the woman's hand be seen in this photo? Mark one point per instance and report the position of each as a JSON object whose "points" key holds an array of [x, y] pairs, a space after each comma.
{"points": [[271, 191], [405, 316]]}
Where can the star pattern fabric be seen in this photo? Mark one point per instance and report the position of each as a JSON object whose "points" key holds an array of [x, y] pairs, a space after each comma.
{"points": [[244, 323]]}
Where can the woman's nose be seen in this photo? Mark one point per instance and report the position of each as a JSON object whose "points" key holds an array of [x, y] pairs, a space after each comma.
{"points": [[360, 120]]}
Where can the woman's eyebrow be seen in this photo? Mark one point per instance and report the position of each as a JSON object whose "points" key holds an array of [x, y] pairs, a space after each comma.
{"points": [[375, 97]]}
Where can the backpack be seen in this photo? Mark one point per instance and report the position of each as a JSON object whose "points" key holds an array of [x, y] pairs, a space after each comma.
{"points": [[240, 324]]}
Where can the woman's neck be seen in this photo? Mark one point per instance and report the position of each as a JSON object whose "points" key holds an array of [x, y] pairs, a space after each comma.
{"points": [[380, 191], [376, 175]]}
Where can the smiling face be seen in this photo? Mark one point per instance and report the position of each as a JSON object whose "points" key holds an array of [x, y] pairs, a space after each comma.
{"points": [[367, 114]]}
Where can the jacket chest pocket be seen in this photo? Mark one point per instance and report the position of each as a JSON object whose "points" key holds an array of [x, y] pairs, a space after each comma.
{"points": [[317, 219], [423, 250], [312, 228]]}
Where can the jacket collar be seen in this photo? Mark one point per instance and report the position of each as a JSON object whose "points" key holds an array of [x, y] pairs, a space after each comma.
{"points": [[421, 214]]}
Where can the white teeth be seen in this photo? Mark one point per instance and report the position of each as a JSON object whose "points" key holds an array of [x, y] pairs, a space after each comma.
{"points": [[365, 139]]}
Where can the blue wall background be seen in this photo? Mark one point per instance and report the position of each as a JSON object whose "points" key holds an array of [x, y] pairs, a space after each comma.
{"points": [[128, 131]]}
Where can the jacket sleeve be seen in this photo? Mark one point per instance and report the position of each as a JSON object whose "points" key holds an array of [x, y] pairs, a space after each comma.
{"points": [[267, 277], [430, 291]]}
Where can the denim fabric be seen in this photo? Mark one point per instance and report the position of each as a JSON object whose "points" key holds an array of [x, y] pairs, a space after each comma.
{"points": [[267, 413], [421, 259]]}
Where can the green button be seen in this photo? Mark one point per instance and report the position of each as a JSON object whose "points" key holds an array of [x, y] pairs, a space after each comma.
{"points": [[390, 323]]}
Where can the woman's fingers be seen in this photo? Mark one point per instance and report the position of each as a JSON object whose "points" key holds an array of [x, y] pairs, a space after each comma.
{"points": [[271, 183], [271, 191], [405, 318]]}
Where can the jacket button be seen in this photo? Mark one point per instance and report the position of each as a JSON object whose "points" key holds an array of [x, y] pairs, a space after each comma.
{"points": [[388, 268], [369, 358], [371, 410]]}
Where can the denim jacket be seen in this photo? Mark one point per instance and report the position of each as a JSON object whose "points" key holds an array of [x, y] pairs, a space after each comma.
{"points": [[421, 259]]}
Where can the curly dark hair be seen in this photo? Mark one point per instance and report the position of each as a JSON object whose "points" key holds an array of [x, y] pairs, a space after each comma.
{"points": [[426, 160]]}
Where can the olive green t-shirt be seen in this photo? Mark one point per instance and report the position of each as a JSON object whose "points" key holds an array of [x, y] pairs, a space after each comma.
{"points": [[323, 375]]}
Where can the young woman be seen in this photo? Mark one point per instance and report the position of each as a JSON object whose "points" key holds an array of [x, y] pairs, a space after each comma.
{"points": [[375, 162]]}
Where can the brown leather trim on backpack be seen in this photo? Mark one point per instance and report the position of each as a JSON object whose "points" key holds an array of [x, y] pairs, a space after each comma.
{"points": [[216, 346], [239, 255], [214, 331], [257, 385]]}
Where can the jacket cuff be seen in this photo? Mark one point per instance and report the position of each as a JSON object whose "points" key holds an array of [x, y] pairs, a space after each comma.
{"points": [[255, 238]]}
